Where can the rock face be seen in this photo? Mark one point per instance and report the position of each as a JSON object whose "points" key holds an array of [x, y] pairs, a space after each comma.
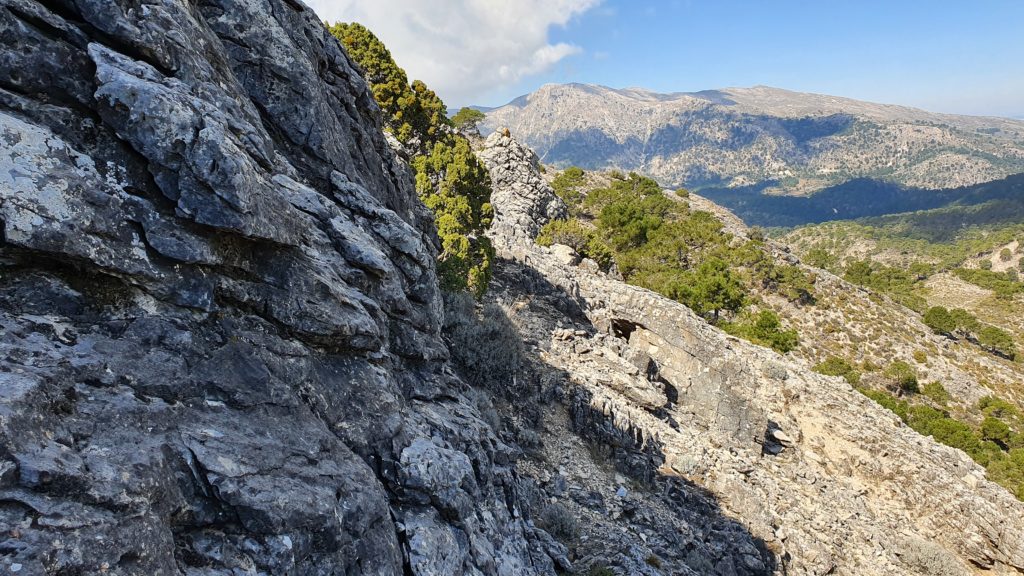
{"points": [[820, 478], [523, 202], [221, 347]]}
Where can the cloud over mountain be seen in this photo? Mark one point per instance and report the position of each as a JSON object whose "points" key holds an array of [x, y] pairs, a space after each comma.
{"points": [[464, 48]]}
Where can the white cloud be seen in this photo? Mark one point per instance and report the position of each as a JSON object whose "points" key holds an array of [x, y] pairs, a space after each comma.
{"points": [[464, 49]]}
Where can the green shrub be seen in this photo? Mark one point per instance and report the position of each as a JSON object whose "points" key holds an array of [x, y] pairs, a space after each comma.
{"points": [[663, 246], [714, 289], [887, 401], [450, 180], [683, 193], [1000, 284], [903, 376], [766, 330], [940, 320], [1008, 470], [920, 357], [1005, 255], [467, 119], [836, 366], [995, 430], [993, 447], [985, 264], [997, 341], [964, 320], [790, 282], [937, 392], [897, 283], [821, 258], [581, 238], [568, 186], [455, 186], [997, 407], [936, 423], [411, 111]]}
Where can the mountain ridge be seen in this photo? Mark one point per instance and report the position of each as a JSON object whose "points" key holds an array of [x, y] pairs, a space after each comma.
{"points": [[798, 142]]}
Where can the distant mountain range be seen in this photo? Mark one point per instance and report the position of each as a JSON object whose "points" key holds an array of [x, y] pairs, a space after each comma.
{"points": [[772, 140]]}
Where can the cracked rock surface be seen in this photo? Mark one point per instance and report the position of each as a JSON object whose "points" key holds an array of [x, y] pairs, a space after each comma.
{"points": [[220, 326], [785, 470]]}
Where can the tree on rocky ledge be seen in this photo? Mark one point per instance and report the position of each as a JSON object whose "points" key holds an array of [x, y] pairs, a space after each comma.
{"points": [[467, 119], [450, 180]]}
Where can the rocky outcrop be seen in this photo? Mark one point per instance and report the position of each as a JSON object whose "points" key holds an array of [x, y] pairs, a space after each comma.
{"points": [[221, 347], [820, 478], [523, 202]]}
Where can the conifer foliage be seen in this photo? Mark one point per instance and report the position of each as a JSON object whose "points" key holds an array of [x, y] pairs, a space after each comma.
{"points": [[450, 180]]}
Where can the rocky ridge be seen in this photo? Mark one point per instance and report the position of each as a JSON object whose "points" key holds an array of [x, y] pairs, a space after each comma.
{"points": [[822, 479], [223, 351]]}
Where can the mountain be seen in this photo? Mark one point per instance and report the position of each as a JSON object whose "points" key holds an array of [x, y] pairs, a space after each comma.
{"points": [[225, 350], [762, 137]]}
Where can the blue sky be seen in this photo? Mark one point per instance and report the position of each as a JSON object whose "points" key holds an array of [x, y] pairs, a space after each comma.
{"points": [[963, 57], [946, 56]]}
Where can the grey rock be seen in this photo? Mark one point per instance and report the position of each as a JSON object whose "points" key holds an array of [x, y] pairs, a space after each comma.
{"points": [[523, 202], [220, 322]]}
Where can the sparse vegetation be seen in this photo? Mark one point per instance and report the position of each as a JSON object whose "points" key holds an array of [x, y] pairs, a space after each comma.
{"points": [[559, 522], [484, 344], [836, 366], [997, 444], [902, 376]]}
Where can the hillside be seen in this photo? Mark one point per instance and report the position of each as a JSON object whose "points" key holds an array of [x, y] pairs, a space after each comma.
{"points": [[782, 449], [962, 256], [946, 210], [761, 137]]}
